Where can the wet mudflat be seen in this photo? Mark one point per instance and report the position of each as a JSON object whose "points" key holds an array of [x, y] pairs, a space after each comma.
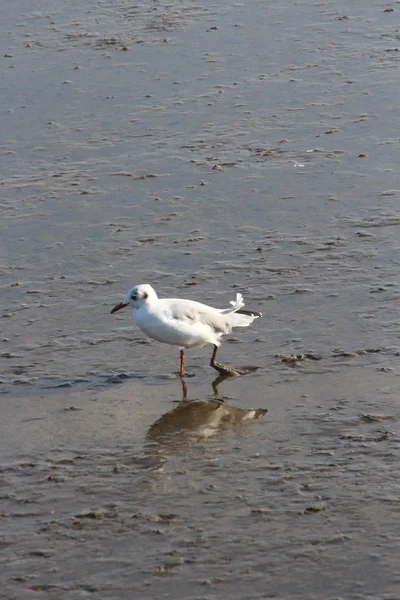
{"points": [[205, 149]]}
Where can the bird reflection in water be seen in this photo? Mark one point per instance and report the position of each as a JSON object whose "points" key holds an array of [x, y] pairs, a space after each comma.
{"points": [[194, 421]]}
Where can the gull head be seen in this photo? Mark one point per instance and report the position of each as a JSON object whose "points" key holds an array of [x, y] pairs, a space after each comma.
{"points": [[137, 296]]}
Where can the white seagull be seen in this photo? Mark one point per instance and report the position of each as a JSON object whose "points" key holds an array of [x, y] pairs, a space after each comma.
{"points": [[185, 323]]}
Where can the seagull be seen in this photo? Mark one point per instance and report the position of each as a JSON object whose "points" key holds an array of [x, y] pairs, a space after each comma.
{"points": [[186, 323]]}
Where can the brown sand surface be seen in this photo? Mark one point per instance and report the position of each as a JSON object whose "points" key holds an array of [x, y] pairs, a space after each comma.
{"points": [[205, 148]]}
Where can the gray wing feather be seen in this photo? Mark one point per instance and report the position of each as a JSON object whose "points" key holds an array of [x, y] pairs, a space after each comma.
{"points": [[197, 312]]}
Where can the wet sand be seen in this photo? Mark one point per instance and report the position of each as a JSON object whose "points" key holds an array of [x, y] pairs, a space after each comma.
{"points": [[205, 149]]}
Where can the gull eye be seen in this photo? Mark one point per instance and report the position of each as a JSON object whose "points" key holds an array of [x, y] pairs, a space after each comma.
{"points": [[134, 296]]}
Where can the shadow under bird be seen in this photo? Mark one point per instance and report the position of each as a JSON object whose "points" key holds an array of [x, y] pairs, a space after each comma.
{"points": [[186, 323]]}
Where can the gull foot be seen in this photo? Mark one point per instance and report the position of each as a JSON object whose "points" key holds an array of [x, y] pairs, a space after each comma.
{"points": [[228, 371]]}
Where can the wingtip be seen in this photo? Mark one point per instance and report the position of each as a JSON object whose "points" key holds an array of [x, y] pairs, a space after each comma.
{"points": [[250, 313]]}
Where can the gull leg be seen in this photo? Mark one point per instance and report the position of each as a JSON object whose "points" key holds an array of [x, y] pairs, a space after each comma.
{"points": [[182, 367], [182, 374], [222, 369]]}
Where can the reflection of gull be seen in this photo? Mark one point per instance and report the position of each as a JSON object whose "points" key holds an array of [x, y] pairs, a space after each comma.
{"points": [[194, 420], [199, 419], [185, 323]]}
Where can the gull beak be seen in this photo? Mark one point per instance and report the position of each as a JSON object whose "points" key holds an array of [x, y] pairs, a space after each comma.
{"points": [[119, 306]]}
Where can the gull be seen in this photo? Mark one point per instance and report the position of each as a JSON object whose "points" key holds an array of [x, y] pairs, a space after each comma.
{"points": [[186, 323]]}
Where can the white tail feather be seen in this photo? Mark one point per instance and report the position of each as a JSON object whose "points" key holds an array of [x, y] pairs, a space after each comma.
{"points": [[234, 319], [237, 320], [235, 305]]}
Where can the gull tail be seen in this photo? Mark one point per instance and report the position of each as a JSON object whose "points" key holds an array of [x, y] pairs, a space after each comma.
{"points": [[235, 305], [238, 317]]}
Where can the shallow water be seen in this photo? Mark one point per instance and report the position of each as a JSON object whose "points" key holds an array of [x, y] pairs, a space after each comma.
{"points": [[206, 149]]}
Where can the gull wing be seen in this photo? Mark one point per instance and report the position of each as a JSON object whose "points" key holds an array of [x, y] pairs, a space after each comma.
{"points": [[193, 312]]}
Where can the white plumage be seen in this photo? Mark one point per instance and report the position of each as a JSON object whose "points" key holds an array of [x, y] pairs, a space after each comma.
{"points": [[184, 323]]}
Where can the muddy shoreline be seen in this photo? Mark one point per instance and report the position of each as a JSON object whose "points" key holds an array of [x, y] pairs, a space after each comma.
{"points": [[207, 149]]}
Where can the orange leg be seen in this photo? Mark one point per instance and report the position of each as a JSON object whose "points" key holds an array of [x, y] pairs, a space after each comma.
{"points": [[222, 369], [182, 367], [214, 354]]}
